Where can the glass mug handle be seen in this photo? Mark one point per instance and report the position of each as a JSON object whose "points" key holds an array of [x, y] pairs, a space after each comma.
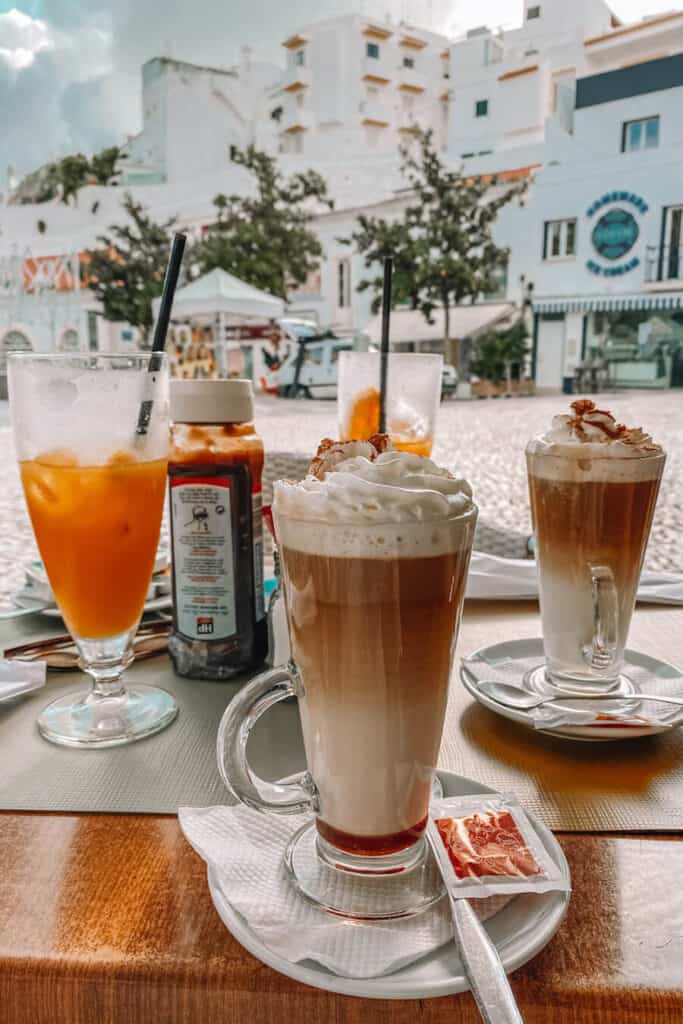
{"points": [[239, 718], [602, 652]]}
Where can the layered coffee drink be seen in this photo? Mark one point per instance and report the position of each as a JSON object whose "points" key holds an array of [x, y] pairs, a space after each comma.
{"points": [[375, 547], [593, 485]]}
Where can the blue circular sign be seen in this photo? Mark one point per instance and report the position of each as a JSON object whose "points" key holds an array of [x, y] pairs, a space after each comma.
{"points": [[615, 234]]}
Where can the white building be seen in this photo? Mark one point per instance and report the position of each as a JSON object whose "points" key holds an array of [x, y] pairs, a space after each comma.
{"points": [[584, 108], [354, 87], [192, 115]]}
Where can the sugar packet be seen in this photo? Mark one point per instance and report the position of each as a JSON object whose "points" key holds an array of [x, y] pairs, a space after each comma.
{"points": [[486, 846]]}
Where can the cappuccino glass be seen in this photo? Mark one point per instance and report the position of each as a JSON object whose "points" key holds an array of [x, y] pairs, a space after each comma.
{"points": [[592, 516], [373, 611]]}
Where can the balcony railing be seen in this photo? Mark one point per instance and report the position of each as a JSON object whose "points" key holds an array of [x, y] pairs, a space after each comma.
{"points": [[663, 263], [411, 80], [296, 78], [295, 119], [377, 69]]}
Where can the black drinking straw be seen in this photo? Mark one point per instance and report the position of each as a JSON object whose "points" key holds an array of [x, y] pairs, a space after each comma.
{"points": [[160, 331], [384, 351]]}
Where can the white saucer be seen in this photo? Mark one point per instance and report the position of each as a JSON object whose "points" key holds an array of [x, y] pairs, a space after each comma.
{"points": [[520, 930], [533, 648]]}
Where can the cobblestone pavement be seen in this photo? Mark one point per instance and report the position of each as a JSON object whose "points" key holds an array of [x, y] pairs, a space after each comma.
{"points": [[482, 441]]}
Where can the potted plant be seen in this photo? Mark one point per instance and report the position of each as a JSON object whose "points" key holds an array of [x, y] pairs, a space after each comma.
{"points": [[498, 363]]}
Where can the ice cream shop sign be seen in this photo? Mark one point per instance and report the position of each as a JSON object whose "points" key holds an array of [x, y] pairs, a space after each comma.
{"points": [[616, 230]]}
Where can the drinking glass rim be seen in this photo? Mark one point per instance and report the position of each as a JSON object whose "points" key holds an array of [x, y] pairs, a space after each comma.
{"points": [[431, 356], [37, 357]]}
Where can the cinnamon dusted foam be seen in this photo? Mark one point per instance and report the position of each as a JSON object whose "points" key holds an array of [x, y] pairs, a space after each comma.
{"points": [[589, 444]]}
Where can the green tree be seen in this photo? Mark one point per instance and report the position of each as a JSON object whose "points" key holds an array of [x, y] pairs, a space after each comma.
{"points": [[103, 165], [499, 355], [265, 238], [442, 246], [126, 271], [72, 174]]}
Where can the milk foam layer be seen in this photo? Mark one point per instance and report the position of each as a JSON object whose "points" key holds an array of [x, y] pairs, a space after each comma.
{"points": [[589, 444], [372, 507]]}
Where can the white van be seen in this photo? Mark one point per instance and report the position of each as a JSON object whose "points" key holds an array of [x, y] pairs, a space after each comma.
{"points": [[315, 361]]}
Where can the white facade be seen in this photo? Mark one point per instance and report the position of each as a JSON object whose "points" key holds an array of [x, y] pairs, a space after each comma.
{"points": [[356, 87], [571, 100], [176, 144]]}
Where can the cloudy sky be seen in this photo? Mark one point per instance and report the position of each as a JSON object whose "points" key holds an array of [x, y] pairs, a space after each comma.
{"points": [[69, 69]]}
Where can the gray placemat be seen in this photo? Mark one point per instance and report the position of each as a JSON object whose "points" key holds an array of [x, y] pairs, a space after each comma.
{"points": [[175, 768]]}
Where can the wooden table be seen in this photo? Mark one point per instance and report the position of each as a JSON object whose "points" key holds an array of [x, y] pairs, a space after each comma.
{"points": [[108, 919]]}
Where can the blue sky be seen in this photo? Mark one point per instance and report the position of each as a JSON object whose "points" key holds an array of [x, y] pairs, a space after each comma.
{"points": [[69, 69]]}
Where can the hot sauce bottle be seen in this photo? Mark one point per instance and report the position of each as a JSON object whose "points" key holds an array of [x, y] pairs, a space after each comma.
{"points": [[215, 468]]}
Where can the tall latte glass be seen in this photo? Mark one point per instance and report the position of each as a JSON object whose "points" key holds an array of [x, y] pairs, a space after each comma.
{"points": [[375, 552], [593, 485]]}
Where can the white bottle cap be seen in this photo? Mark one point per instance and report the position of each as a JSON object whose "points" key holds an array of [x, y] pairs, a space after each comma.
{"points": [[212, 401]]}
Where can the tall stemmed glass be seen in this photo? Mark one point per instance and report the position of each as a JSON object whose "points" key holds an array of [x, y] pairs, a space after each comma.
{"points": [[95, 493]]}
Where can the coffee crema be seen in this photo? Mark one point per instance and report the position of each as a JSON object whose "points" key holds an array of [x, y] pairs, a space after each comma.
{"points": [[375, 549]]}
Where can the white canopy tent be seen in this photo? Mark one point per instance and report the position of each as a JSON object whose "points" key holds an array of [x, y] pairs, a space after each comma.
{"points": [[223, 300], [220, 294]]}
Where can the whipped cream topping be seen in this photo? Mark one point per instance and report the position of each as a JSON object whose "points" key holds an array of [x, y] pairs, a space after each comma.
{"points": [[588, 426], [368, 482]]}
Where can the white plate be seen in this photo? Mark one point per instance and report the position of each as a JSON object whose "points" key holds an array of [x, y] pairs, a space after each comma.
{"points": [[520, 930], [531, 648]]}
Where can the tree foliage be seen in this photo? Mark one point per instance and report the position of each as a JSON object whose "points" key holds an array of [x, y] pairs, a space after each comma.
{"points": [[443, 248], [64, 178], [265, 238], [126, 271], [498, 353]]}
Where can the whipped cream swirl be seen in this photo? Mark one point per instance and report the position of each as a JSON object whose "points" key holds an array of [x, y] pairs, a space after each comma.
{"points": [[365, 483], [588, 426]]}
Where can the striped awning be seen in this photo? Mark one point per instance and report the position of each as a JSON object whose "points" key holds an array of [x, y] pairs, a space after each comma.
{"points": [[608, 303]]}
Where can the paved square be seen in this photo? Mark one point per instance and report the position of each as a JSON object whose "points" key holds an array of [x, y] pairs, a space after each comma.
{"points": [[484, 441]]}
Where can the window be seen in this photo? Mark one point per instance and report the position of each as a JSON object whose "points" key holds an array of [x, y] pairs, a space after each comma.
{"points": [[313, 355], [533, 12], [343, 284], [559, 239], [372, 50], [276, 115], [299, 58], [481, 108], [641, 134], [408, 62]]}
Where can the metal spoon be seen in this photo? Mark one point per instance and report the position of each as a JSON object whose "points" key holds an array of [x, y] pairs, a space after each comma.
{"points": [[483, 968], [521, 700]]}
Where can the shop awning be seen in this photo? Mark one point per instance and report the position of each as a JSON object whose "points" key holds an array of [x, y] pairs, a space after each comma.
{"points": [[409, 325], [608, 303]]}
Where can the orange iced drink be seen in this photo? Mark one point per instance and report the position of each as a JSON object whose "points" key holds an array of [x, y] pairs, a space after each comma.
{"points": [[97, 529], [363, 422]]}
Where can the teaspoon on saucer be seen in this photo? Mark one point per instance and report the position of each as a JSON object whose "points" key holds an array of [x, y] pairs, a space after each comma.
{"points": [[521, 700]]}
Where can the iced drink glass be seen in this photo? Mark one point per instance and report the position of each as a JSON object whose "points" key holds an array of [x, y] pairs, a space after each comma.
{"points": [[413, 398], [374, 608], [95, 492], [593, 486]]}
